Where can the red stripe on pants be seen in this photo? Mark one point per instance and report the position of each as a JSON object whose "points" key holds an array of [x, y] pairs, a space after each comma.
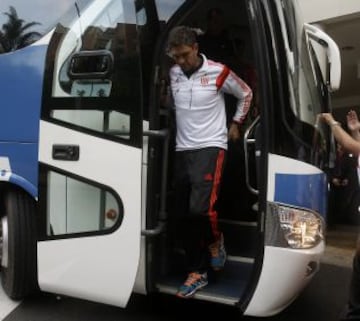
{"points": [[213, 215]]}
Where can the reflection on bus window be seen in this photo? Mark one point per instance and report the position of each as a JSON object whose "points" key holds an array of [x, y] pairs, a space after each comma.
{"points": [[24, 22]]}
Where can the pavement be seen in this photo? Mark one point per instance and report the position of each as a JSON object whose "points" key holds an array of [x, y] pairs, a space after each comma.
{"points": [[323, 300], [6, 305], [340, 245]]}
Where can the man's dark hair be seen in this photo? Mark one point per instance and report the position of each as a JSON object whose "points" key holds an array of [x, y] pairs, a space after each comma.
{"points": [[181, 35]]}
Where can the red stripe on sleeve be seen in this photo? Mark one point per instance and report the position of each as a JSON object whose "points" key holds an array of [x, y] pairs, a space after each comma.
{"points": [[222, 77]]}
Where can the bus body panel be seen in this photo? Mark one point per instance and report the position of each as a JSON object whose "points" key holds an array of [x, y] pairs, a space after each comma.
{"points": [[101, 268], [293, 182], [17, 167], [285, 272], [23, 71]]}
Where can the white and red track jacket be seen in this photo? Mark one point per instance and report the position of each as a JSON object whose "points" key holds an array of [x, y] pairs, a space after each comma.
{"points": [[200, 106]]}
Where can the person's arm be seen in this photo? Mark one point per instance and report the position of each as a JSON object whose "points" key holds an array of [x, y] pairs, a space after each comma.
{"points": [[235, 86], [341, 136]]}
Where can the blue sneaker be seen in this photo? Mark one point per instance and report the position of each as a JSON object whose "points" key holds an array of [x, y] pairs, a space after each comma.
{"points": [[217, 254], [194, 282]]}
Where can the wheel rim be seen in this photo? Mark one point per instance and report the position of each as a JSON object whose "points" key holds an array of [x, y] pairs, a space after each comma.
{"points": [[4, 242]]}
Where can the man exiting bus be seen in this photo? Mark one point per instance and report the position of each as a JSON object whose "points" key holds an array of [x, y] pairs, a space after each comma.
{"points": [[198, 86]]}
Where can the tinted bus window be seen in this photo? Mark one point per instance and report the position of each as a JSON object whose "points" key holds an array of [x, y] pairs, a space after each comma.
{"points": [[167, 8], [23, 22]]}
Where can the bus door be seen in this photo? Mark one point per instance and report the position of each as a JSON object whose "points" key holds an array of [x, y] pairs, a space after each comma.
{"points": [[91, 155]]}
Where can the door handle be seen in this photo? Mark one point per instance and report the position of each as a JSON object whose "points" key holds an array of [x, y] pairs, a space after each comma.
{"points": [[66, 152]]}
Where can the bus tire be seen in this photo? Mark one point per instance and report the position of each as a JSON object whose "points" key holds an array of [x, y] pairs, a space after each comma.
{"points": [[19, 275]]}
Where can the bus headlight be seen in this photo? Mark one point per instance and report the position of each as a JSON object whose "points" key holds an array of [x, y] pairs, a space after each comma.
{"points": [[302, 228]]}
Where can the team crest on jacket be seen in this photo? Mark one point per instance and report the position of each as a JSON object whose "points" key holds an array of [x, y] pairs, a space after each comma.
{"points": [[204, 80]]}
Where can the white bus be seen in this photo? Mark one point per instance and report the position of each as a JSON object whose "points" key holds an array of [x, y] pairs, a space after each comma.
{"points": [[86, 192]]}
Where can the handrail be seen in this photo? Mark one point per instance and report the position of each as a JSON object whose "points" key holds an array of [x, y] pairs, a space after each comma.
{"points": [[162, 133], [154, 232], [247, 141]]}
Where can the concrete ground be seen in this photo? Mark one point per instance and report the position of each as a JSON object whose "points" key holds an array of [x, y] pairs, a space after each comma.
{"points": [[340, 245], [323, 300]]}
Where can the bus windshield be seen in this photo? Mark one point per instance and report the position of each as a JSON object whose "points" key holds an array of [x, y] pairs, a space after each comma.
{"points": [[309, 97], [308, 93]]}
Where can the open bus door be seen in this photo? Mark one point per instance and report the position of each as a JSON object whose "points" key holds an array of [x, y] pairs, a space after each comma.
{"points": [[91, 156]]}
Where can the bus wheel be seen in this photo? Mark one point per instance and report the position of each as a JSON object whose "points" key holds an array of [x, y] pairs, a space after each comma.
{"points": [[18, 244]]}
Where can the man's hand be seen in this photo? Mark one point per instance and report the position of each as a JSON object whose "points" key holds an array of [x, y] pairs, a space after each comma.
{"points": [[234, 132]]}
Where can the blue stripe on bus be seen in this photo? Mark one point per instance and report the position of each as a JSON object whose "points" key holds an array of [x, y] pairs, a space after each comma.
{"points": [[26, 185], [23, 159], [308, 191], [21, 84]]}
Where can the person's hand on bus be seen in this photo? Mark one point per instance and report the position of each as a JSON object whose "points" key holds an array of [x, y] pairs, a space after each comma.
{"points": [[349, 143], [328, 118], [234, 132]]}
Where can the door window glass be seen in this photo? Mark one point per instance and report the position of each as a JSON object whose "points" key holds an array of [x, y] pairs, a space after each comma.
{"points": [[78, 207]]}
